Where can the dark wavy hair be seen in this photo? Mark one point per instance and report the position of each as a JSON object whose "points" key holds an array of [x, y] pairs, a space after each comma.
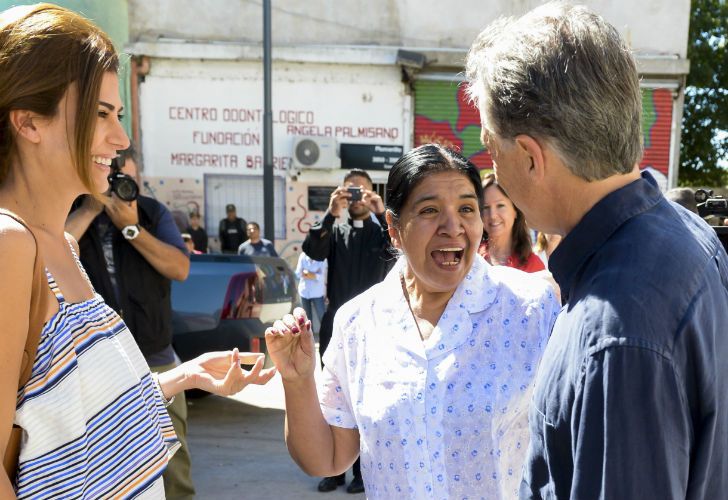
{"points": [[520, 240], [421, 162]]}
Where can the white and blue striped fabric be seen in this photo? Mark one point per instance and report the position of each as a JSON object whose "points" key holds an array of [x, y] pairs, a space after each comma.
{"points": [[95, 425]]}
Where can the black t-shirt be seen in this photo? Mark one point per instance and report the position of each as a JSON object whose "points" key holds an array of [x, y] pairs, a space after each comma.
{"points": [[199, 238], [357, 252], [232, 234]]}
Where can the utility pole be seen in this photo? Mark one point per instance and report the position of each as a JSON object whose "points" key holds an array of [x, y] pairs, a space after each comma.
{"points": [[268, 195]]}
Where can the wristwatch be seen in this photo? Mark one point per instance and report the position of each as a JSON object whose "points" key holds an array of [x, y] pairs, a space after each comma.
{"points": [[130, 232]]}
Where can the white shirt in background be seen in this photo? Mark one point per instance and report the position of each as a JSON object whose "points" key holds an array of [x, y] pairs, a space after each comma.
{"points": [[311, 288]]}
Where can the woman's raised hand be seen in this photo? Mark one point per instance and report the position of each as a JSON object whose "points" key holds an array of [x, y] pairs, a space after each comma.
{"points": [[291, 346]]}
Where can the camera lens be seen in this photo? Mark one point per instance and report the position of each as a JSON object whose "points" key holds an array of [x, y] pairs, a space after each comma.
{"points": [[127, 190], [124, 186], [702, 195]]}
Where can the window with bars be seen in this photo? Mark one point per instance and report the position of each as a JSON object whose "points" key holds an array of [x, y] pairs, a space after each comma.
{"points": [[246, 193]]}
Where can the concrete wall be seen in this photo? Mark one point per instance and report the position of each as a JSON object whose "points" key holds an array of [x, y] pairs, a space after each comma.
{"points": [[197, 117], [652, 26]]}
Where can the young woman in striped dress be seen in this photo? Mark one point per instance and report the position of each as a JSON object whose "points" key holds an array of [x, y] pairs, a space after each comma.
{"points": [[94, 419]]}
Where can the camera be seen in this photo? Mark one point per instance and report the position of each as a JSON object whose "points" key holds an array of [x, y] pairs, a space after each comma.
{"points": [[709, 204], [124, 186], [355, 192], [713, 205]]}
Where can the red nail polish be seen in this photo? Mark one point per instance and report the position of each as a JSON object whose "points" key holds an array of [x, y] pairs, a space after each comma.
{"points": [[301, 321], [295, 329]]}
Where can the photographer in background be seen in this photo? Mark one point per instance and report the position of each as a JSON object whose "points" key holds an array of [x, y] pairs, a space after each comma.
{"points": [[131, 249], [358, 257], [713, 209], [684, 197]]}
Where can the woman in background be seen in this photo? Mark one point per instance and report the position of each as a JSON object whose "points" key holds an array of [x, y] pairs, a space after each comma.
{"points": [[545, 245], [506, 240]]}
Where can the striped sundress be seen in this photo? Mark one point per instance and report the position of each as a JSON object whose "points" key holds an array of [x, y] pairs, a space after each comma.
{"points": [[95, 424]]}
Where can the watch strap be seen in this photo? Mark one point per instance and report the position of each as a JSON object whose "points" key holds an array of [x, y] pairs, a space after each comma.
{"points": [[131, 231]]}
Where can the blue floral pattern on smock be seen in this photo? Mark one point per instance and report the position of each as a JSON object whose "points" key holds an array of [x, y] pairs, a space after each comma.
{"points": [[444, 418]]}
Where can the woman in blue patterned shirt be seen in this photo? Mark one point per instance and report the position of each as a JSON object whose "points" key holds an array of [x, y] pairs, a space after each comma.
{"points": [[428, 373]]}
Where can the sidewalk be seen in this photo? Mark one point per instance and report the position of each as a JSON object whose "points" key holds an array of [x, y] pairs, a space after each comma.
{"points": [[238, 451]]}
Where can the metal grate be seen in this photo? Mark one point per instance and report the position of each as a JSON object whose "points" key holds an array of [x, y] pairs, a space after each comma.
{"points": [[246, 193]]}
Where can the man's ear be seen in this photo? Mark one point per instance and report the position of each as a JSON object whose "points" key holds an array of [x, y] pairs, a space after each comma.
{"points": [[392, 229], [21, 122], [535, 154]]}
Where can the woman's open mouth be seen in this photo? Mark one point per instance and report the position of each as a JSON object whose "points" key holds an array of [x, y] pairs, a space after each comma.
{"points": [[101, 160], [448, 256]]}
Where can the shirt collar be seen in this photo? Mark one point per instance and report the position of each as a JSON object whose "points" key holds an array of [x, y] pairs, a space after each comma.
{"points": [[477, 290], [372, 220], [475, 293], [598, 225]]}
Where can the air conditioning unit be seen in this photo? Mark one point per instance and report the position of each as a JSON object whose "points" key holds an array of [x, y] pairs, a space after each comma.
{"points": [[315, 153]]}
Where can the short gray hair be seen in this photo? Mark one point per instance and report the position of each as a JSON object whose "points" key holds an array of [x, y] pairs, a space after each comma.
{"points": [[563, 75], [683, 196]]}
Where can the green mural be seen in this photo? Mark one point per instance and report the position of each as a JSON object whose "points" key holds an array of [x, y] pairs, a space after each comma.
{"points": [[471, 140], [649, 116], [113, 17], [444, 114]]}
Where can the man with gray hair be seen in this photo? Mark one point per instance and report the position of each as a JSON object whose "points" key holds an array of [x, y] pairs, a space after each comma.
{"points": [[684, 197], [631, 397]]}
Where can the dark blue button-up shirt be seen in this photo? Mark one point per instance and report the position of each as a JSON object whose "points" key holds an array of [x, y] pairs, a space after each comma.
{"points": [[631, 398]]}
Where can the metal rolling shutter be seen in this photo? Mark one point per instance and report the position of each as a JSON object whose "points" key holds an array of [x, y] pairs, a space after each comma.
{"points": [[656, 128], [444, 115]]}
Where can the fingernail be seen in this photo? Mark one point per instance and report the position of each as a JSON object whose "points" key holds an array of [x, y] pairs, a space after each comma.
{"points": [[301, 321], [295, 329]]}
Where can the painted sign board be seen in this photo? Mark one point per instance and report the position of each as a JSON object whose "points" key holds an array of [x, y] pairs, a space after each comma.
{"points": [[193, 127]]}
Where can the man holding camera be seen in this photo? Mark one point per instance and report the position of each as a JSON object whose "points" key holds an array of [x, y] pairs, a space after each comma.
{"points": [[358, 256], [131, 249]]}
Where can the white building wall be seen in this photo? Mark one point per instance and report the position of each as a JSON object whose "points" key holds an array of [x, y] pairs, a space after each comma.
{"points": [[200, 118], [201, 133], [652, 26]]}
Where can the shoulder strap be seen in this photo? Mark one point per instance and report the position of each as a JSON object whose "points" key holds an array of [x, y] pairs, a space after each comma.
{"points": [[38, 306]]}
